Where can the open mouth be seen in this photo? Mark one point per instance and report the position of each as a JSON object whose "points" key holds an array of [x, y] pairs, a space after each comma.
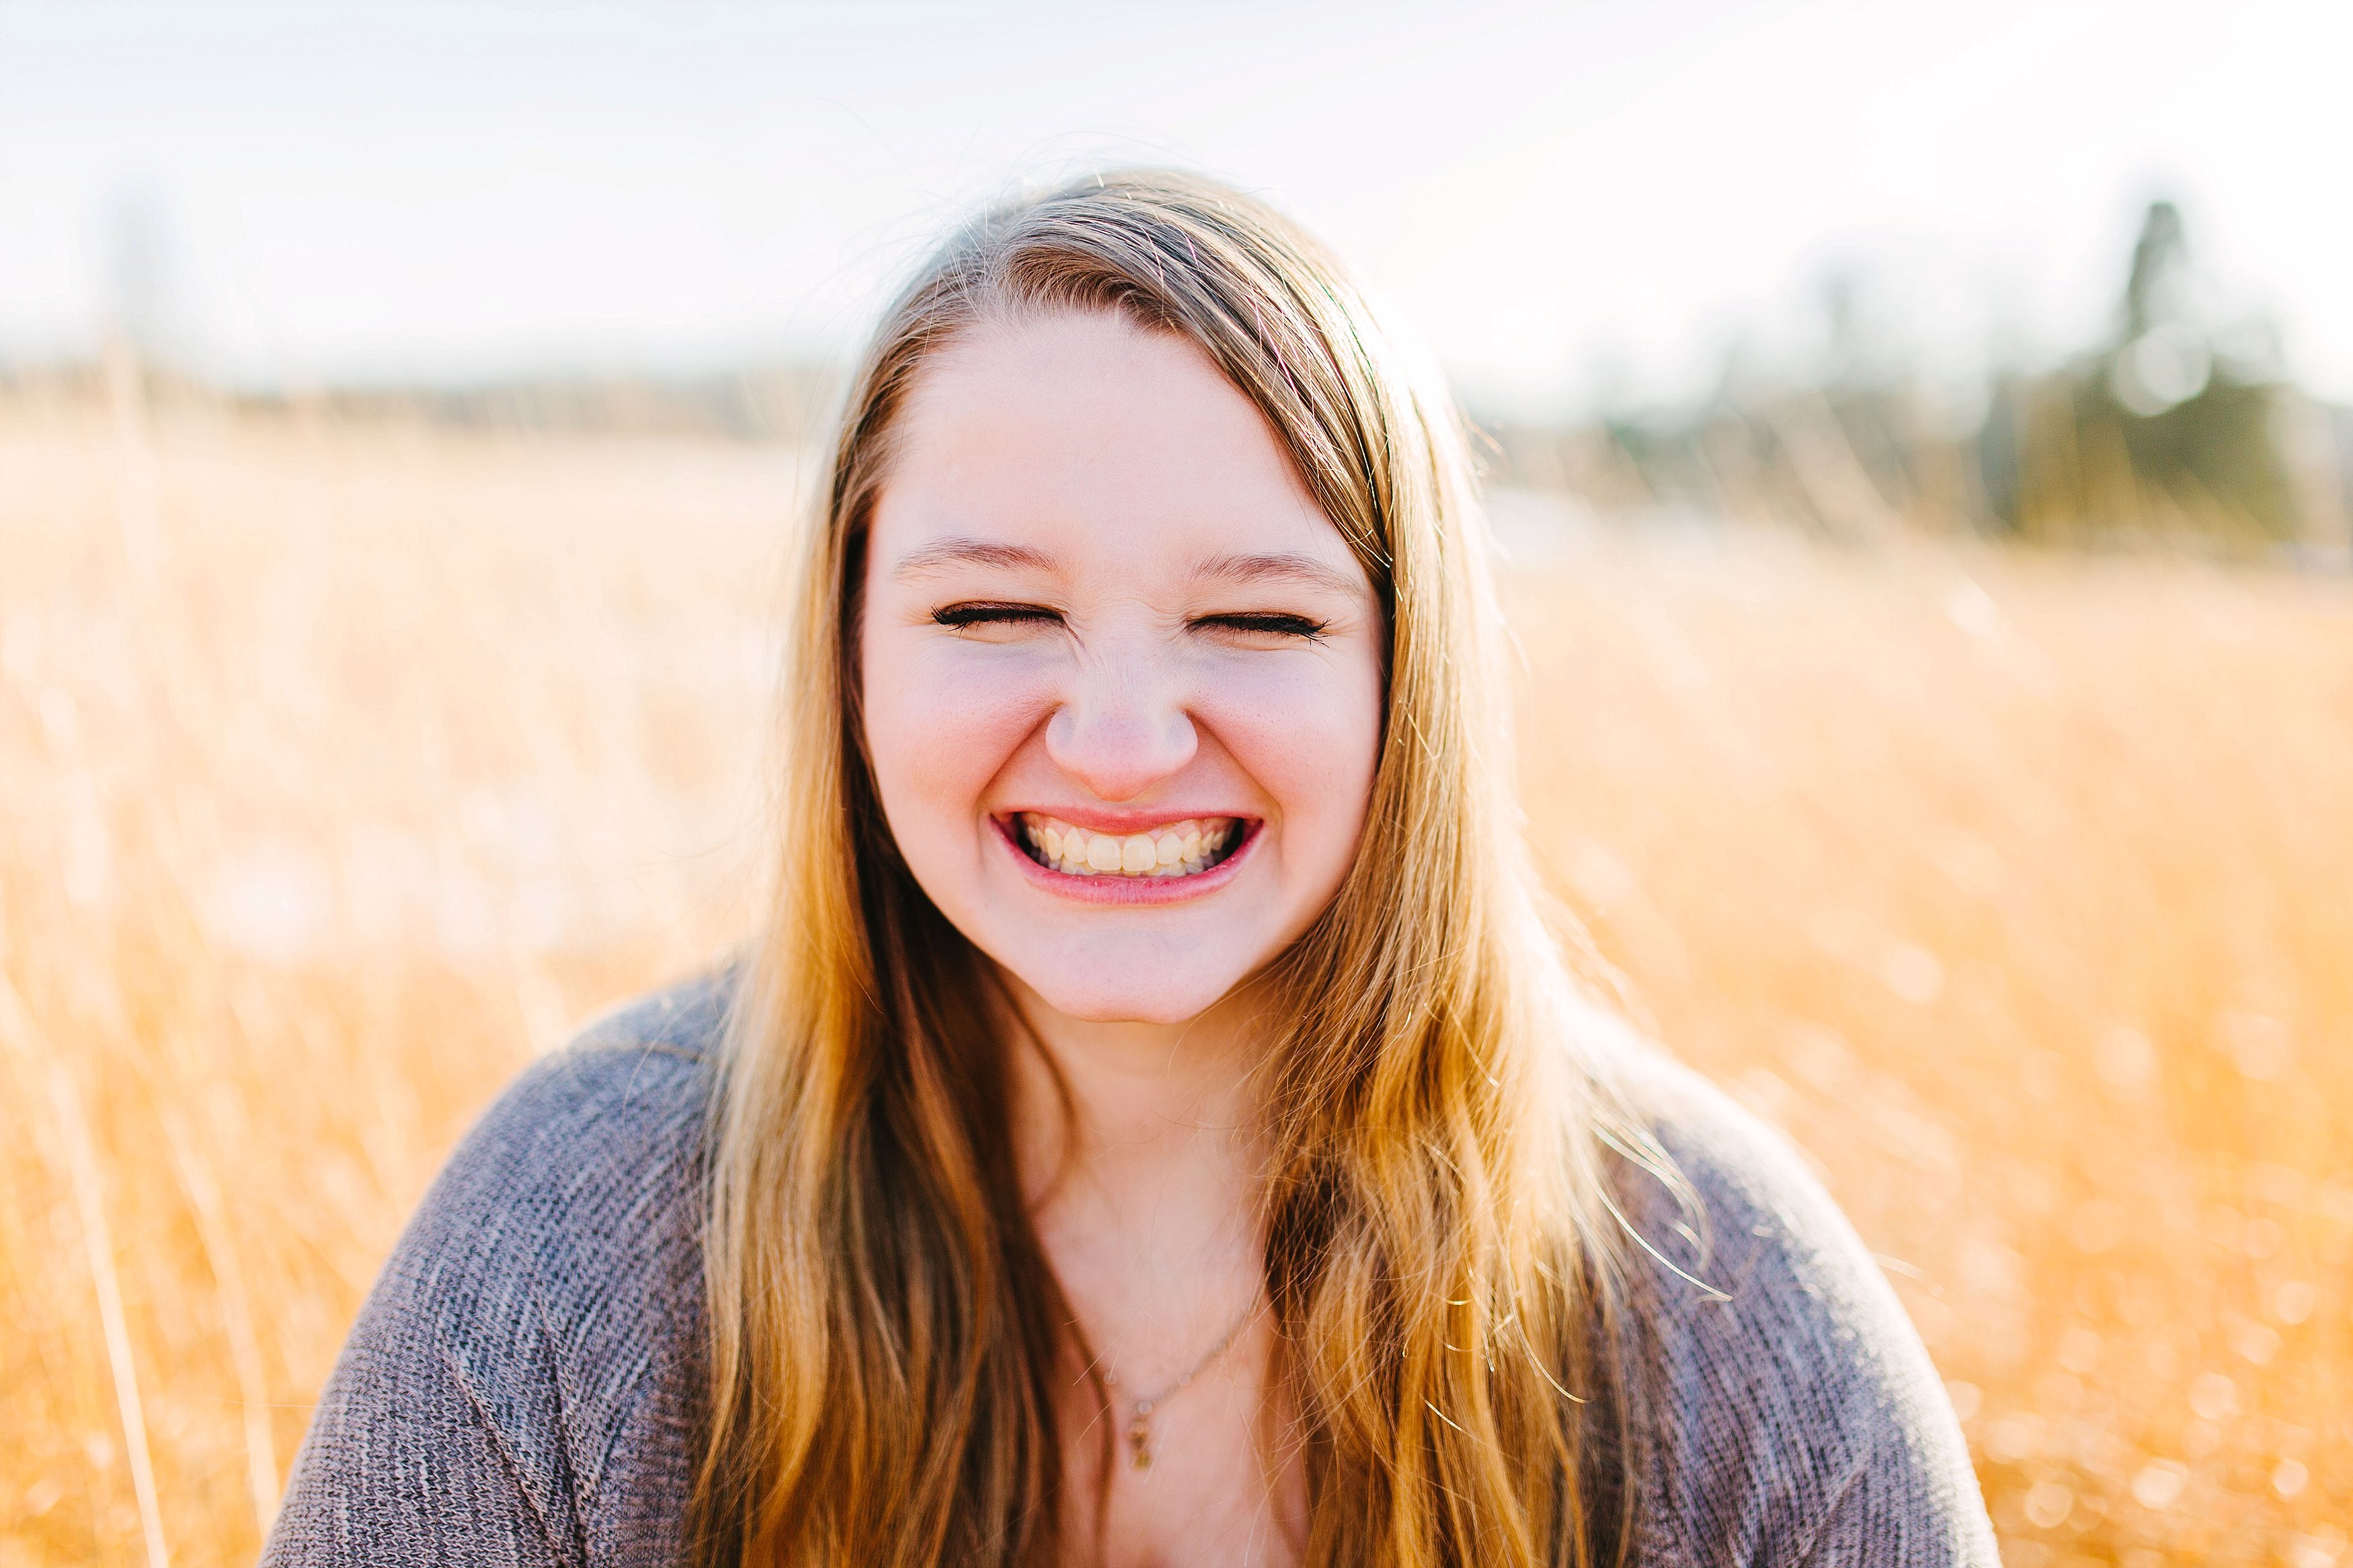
{"points": [[1186, 847]]}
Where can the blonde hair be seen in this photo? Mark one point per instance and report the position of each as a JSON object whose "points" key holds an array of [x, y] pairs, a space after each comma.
{"points": [[888, 1342]]}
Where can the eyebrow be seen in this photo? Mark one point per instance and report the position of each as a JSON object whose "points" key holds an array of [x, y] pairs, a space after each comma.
{"points": [[1294, 566], [1284, 566], [961, 552]]}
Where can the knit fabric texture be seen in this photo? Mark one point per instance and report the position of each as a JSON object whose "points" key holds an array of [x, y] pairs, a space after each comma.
{"points": [[525, 1383]]}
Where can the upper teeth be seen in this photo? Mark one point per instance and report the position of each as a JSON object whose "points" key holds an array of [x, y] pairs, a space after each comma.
{"points": [[1173, 849]]}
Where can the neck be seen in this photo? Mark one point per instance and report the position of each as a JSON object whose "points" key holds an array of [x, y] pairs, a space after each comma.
{"points": [[1144, 1166], [1121, 1102]]}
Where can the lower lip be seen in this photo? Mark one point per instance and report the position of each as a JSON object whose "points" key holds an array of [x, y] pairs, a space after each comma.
{"points": [[1109, 888]]}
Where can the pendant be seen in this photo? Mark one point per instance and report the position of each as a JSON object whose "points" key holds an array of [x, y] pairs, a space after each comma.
{"points": [[1139, 1444]]}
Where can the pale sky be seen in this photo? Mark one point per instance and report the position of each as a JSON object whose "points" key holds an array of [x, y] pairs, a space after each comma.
{"points": [[1563, 198]]}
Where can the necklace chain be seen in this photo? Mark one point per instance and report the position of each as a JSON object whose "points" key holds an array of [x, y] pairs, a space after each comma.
{"points": [[1139, 1425]]}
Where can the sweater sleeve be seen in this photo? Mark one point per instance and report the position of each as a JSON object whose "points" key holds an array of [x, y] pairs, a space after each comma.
{"points": [[415, 1454], [520, 1388], [1790, 1414], [402, 1467]]}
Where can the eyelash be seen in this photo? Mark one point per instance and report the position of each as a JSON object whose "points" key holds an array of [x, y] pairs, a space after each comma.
{"points": [[960, 616], [1275, 621], [957, 616]]}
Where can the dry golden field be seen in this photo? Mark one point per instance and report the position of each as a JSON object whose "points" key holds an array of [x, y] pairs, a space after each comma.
{"points": [[342, 767]]}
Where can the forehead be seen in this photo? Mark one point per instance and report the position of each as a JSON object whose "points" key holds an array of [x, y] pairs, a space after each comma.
{"points": [[1085, 437]]}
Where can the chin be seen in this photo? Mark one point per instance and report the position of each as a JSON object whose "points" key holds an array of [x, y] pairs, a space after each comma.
{"points": [[1126, 1004]]}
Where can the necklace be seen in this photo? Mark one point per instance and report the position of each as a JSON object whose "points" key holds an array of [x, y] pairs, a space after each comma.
{"points": [[1139, 1424]]}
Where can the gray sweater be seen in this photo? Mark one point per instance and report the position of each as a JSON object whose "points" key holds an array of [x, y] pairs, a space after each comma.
{"points": [[523, 1386]]}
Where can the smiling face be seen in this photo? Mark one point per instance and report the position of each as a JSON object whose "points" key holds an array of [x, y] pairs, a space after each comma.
{"points": [[1122, 677]]}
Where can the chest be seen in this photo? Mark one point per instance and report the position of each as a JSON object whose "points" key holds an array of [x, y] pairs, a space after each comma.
{"points": [[1199, 1475]]}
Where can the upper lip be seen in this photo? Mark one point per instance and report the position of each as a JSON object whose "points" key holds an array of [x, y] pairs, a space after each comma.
{"points": [[1095, 819]]}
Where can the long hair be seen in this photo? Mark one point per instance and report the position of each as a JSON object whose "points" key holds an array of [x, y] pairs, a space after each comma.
{"points": [[888, 1342]]}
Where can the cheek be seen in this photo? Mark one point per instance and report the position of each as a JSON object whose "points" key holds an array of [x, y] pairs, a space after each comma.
{"points": [[941, 721], [1310, 738]]}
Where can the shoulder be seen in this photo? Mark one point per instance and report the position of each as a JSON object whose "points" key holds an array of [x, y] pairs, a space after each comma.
{"points": [[589, 1157], [524, 1381], [1788, 1411]]}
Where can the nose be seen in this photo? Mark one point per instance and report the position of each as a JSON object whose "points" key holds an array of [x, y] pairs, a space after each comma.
{"points": [[1121, 728]]}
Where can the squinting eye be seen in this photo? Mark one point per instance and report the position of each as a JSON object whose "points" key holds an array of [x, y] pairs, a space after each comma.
{"points": [[1271, 623], [982, 615]]}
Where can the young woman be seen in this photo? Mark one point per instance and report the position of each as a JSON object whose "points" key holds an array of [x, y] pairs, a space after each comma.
{"points": [[1156, 1126]]}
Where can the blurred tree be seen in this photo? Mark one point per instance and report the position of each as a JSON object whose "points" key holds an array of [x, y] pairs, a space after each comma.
{"points": [[2158, 255], [2157, 431], [2180, 424], [137, 232]]}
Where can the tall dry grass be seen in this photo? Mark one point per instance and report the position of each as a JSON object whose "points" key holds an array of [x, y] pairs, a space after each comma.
{"points": [[342, 767]]}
